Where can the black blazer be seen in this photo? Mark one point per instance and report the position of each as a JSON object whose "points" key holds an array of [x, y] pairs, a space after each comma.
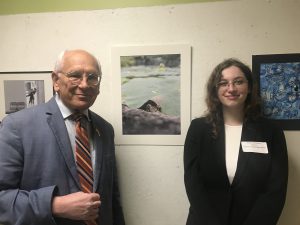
{"points": [[257, 193]]}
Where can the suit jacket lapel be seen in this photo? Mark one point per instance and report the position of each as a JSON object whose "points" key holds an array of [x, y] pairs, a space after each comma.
{"points": [[99, 146], [57, 125]]}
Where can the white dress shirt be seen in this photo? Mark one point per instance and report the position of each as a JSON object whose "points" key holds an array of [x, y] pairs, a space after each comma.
{"points": [[70, 124]]}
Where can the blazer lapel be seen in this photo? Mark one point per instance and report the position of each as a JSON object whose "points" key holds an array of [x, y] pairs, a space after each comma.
{"points": [[248, 134], [98, 145], [220, 157], [57, 125]]}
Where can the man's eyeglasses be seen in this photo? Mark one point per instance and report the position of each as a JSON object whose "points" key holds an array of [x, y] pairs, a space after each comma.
{"points": [[236, 83], [76, 77]]}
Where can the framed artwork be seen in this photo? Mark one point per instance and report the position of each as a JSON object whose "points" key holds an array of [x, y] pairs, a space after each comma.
{"points": [[278, 78], [22, 90], [152, 87]]}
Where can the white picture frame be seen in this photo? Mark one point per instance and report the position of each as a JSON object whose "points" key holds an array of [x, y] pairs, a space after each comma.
{"points": [[11, 91], [117, 55]]}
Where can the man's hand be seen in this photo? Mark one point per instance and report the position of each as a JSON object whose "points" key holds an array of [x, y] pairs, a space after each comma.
{"points": [[77, 206]]}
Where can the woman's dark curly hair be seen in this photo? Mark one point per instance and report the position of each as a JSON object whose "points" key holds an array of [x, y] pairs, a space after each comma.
{"points": [[214, 112]]}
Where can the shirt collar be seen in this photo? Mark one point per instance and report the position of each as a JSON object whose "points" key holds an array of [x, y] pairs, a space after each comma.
{"points": [[65, 111]]}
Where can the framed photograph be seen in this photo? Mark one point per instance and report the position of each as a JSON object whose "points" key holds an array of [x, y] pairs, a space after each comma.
{"points": [[20, 90], [152, 86], [278, 78]]}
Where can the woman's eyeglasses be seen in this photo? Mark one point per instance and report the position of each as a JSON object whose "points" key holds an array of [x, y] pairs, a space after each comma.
{"points": [[224, 84]]}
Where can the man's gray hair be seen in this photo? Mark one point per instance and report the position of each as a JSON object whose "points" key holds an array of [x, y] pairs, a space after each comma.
{"points": [[59, 61]]}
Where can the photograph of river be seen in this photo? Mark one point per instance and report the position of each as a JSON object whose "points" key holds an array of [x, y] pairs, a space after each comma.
{"points": [[150, 89]]}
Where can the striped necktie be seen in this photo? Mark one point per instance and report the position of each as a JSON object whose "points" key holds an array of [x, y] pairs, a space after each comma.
{"points": [[83, 157]]}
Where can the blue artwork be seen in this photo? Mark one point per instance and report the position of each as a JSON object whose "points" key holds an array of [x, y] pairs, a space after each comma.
{"points": [[280, 90]]}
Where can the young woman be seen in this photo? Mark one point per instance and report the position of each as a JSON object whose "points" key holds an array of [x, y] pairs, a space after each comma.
{"points": [[235, 161]]}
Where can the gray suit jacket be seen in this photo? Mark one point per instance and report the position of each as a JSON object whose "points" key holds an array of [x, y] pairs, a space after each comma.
{"points": [[37, 163]]}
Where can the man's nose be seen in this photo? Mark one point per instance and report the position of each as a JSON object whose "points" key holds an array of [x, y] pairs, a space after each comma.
{"points": [[84, 82]]}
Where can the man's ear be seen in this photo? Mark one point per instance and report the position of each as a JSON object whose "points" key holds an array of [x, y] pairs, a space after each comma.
{"points": [[55, 81]]}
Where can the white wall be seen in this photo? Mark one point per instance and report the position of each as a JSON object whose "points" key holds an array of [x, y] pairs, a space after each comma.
{"points": [[151, 177]]}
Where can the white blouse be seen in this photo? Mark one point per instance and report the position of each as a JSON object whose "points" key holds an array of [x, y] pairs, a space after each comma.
{"points": [[232, 145]]}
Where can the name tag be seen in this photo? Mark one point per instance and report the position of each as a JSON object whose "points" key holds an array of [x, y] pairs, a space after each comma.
{"points": [[257, 147]]}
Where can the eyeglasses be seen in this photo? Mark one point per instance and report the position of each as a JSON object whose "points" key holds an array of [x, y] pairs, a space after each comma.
{"points": [[76, 77], [223, 84]]}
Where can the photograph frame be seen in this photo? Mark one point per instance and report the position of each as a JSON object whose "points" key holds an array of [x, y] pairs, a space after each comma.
{"points": [[185, 93], [44, 76], [260, 60]]}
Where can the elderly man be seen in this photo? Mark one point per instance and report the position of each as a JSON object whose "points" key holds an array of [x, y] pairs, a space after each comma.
{"points": [[57, 160]]}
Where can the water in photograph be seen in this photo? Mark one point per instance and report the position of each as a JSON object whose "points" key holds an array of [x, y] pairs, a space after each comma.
{"points": [[159, 82]]}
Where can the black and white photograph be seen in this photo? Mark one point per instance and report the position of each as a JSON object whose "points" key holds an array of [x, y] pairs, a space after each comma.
{"points": [[21, 90], [21, 94]]}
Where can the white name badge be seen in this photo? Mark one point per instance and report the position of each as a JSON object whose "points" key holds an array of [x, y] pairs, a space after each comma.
{"points": [[257, 147]]}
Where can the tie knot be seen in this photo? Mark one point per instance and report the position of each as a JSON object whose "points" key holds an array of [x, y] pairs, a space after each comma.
{"points": [[80, 119], [77, 116]]}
